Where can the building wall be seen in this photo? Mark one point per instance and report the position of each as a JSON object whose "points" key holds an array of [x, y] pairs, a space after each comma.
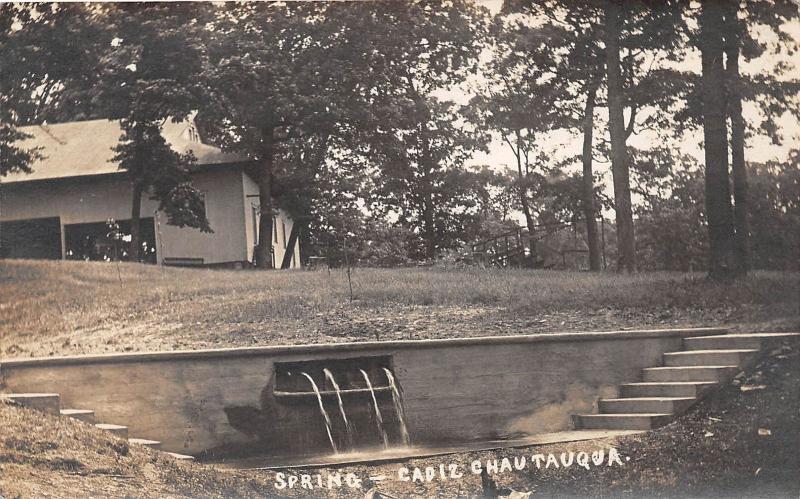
{"points": [[458, 390], [223, 195], [97, 199], [281, 228]]}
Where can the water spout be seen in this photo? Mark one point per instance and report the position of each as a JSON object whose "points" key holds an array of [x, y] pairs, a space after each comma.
{"points": [[378, 416], [347, 426], [322, 410], [398, 407]]}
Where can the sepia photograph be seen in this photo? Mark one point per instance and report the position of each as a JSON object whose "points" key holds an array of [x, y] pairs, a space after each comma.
{"points": [[400, 249]]}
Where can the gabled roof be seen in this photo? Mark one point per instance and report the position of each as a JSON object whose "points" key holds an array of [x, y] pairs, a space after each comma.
{"points": [[83, 148]]}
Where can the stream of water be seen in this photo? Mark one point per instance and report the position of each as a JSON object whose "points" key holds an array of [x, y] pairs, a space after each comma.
{"points": [[378, 416], [398, 407], [348, 427], [324, 413]]}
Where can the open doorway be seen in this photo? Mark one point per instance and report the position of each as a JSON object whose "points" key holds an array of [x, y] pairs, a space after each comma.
{"points": [[109, 241], [38, 238]]}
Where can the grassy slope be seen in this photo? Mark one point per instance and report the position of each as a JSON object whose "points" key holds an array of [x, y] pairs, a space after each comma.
{"points": [[54, 307], [45, 456]]}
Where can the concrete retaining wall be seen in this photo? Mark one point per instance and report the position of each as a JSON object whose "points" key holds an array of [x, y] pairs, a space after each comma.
{"points": [[455, 390]]}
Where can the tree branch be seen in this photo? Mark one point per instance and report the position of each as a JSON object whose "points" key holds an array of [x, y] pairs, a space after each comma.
{"points": [[631, 122]]}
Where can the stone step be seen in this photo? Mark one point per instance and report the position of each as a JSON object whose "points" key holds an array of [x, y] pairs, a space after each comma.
{"points": [[689, 373], [756, 341], [49, 403], [153, 444], [646, 405], [621, 421], [181, 457], [666, 389], [736, 357], [85, 415], [115, 429]]}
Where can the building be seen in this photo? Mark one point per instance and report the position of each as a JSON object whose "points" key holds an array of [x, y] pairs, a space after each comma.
{"points": [[62, 209]]}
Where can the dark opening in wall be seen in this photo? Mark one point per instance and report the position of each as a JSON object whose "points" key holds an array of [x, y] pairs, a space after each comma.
{"points": [[33, 238], [347, 373], [106, 241]]}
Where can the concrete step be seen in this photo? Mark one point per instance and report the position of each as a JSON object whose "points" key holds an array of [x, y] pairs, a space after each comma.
{"points": [[181, 457], [666, 389], [736, 357], [153, 444], [755, 341], [646, 405], [85, 415], [689, 373], [49, 403], [114, 429], [621, 421]]}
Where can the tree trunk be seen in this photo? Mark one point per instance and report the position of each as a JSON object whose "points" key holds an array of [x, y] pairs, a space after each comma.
{"points": [[264, 246], [589, 210], [136, 210], [523, 200], [531, 224], [429, 224], [626, 245], [293, 236], [715, 136], [738, 166]]}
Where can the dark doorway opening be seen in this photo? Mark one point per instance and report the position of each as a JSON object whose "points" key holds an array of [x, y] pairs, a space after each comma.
{"points": [[109, 241], [38, 238]]}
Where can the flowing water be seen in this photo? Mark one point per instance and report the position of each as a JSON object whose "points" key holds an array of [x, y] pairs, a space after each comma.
{"points": [[378, 416], [324, 413], [347, 426], [398, 407]]}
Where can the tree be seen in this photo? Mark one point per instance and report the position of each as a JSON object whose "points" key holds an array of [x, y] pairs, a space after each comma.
{"points": [[671, 219], [14, 158], [495, 194], [584, 68], [49, 60], [320, 185], [414, 49], [715, 134], [733, 29], [670, 216], [281, 72], [38, 54], [628, 40], [775, 212], [420, 172], [626, 246], [150, 74], [276, 73], [157, 170], [522, 102], [537, 91], [728, 32], [590, 210], [736, 36], [640, 28]]}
